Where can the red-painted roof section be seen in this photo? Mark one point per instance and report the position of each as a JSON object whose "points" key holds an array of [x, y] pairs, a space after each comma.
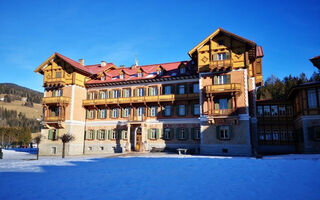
{"points": [[90, 69], [148, 72], [260, 51]]}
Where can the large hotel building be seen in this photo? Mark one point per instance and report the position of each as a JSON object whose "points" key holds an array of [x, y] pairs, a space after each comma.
{"points": [[206, 105]]}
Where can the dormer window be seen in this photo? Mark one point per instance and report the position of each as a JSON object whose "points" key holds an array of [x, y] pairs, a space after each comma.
{"points": [[103, 78], [140, 74], [121, 76], [182, 70], [160, 72]]}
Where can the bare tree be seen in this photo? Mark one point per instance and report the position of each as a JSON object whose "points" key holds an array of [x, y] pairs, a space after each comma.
{"points": [[65, 138], [37, 140]]}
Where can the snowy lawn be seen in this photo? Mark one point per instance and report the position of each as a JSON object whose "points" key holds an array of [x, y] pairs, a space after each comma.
{"points": [[159, 177]]}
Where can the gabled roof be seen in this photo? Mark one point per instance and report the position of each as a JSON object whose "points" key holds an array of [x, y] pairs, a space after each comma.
{"points": [[149, 72], [87, 70], [215, 33], [316, 61]]}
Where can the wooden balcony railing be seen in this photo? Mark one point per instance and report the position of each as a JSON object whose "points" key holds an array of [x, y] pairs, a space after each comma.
{"points": [[53, 118], [220, 64], [225, 88], [55, 100], [55, 81], [136, 118], [222, 112], [143, 99]]}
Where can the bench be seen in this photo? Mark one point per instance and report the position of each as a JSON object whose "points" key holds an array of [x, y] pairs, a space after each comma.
{"points": [[181, 150]]}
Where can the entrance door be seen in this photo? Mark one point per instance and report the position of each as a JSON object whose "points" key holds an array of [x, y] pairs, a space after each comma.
{"points": [[138, 139]]}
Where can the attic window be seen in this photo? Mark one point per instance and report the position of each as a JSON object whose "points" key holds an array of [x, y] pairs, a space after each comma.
{"points": [[182, 70], [160, 72], [103, 78], [140, 74], [121, 76], [220, 42]]}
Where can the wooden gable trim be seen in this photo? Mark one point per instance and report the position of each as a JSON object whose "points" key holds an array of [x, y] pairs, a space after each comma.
{"points": [[39, 69]]}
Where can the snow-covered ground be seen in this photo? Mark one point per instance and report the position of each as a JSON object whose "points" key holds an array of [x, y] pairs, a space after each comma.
{"points": [[159, 176]]}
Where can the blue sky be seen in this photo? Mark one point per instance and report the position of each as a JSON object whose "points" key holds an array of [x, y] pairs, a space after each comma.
{"points": [[155, 31]]}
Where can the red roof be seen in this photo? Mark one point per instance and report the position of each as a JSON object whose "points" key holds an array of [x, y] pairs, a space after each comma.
{"points": [[148, 72], [90, 69]]}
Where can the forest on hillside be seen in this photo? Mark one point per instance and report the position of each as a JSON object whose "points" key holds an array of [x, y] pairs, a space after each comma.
{"points": [[16, 92], [277, 89]]}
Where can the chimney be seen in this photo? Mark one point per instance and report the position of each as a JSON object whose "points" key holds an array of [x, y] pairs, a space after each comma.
{"points": [[81, 61], [103, 63]]}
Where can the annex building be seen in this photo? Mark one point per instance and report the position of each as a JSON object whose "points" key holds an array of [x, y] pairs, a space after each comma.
{"points": [[206, 104]]}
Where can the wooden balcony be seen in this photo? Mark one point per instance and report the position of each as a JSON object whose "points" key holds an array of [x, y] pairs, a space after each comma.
{"points": [[53, 118], [143, 99], [54, 82], [222, 112], [136, 118], [225, 88], [55, 100], [220, 64]]}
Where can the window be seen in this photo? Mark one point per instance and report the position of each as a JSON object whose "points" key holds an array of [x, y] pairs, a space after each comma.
{"points": [[274, 111], [126, 112], [121, 76], [268, 135], [222, 79], [115, 113], [290, 135], [261, 135], [289, 110], [140, 111], [153, 91], [197, 133], [102, 135], [113, 134], [124, 134], [312, 99], [181, 110], [195, 88], [221, 56], [223, 104], [101, 148], [91, 114], [283, 136], [126, 92], [54, 111], [160, 72], [91, 135], [182, 134], [140, 92], [103, 78], [196, 109], [153, 133], [275, 135], [182, 70], [167, 89], [224, 132], [91, 95], [58, 74], [53, 150], [57, 93], [167, 134], [282, 110], [102, 94], [116, 93], [53, 134], [266, 111], [140, 74], [167, 111], [102, 113], [90, 148], [259, 111], [153, 111], [181, 89]]}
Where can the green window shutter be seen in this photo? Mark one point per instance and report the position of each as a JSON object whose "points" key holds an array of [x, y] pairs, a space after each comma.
{"points": [[107, 94], [218, 132], [157, 134], [110, 136], [228, 55], [186, 133], [56, 135], [122, 112], [111, 94], [94, 114], [94, 134], [110, 113], [88, 112], [215, 80], [178, 133], [135, 112], [98, 134], [149, 91], [99, 114], [228, 78], [106, 135], [49, 134], [193, 133], [216, 105], [172, 133], [122, 134], [123, 93], [229, 106], [149, 133]]}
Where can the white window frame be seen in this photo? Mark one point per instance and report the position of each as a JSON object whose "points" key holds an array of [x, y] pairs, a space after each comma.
{"points": [[127, 92], [121, 76], [140, 92], [115, 113], [153, 91], [224, 132], [102, 134], [140, 111], [153, 133], [116, 93], [167, 133], [127, 112], [153, 111], [103, 113], [113, 134]]}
